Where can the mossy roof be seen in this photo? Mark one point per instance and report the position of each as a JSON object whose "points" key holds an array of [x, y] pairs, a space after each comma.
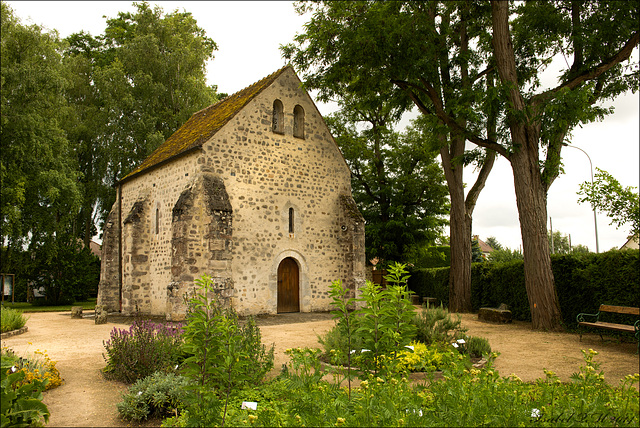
{"points": [[202, 125]]}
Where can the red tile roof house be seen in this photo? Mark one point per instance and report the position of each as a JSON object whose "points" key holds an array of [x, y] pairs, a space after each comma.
{"points": [[252, 191]]}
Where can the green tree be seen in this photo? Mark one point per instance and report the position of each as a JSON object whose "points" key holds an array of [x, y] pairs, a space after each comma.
{"points": [[133, 87], [443, 56], [396, 182], [492, 241], [476, 252], [369, 49], [607, 195], [504, 255], [39, 192]]}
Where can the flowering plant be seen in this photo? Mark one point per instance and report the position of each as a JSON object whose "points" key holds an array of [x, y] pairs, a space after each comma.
{"points": [[146, 347]]}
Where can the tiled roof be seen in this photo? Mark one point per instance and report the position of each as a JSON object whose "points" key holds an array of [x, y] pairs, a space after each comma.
{"points": [[202, 125], [484, 247]]}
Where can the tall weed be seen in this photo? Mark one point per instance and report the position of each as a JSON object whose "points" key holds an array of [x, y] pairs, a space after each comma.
{"points": [[221, 355]]}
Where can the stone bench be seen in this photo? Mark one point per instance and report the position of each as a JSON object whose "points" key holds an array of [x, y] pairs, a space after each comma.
{"points": [[494, 315]]}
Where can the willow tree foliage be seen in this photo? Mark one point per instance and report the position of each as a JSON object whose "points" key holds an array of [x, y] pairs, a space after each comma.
{"points": [[132, 87], [77, 115], [470, 63], [40, 193]]}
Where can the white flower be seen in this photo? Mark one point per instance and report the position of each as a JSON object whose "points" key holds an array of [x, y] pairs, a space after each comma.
{"points": [[139, 392], [535, 413], [177, 365], [460, 341], [13, 369]]}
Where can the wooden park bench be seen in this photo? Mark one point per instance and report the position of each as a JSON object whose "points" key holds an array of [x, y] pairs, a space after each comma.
{"points": [[593, 320]]}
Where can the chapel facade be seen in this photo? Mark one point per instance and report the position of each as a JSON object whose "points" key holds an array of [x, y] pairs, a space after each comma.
{"points": [[252, 191]]}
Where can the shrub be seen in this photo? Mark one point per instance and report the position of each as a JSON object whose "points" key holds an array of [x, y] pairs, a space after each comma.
{"points": [[475, 347], [423, 358], [435, 325], [11, 319], [336, 344], [157, 395], [145, 348]]}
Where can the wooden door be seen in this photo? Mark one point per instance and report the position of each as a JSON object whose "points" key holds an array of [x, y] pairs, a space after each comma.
{"points": [[288, 286]]}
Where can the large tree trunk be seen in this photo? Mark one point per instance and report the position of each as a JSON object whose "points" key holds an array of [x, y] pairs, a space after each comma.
{"points": [[531, 193], [459, 230], [460, 243], [532, 211]]}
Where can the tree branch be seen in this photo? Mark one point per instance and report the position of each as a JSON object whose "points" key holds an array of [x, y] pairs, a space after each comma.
{"points": [[443, 116], [623, 54]]}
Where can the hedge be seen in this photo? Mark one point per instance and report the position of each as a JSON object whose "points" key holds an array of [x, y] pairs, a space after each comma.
{"points": [[583, 282]]}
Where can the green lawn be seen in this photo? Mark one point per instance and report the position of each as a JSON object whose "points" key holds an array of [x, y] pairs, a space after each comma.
{"points": [[89, 304]]}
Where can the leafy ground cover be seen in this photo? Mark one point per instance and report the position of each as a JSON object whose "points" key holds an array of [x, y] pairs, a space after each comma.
{"points": [[23, 379], [213, 387]]}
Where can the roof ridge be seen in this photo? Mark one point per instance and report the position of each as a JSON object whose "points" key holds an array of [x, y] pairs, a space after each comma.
{"points": [[243, 89], [202, 125]]}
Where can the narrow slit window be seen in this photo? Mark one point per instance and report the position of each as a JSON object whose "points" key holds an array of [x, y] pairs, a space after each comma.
{"points": [[291, 214], [298, 121], [278, 117], [157, 220]]}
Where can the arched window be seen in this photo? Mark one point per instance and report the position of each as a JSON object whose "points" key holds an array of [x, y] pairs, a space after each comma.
{"points": [[278, 117], [291, 220], [298, 121]]}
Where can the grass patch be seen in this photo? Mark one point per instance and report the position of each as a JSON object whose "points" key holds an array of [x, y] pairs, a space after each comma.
{"points": [[89, 304], [11, 319]]}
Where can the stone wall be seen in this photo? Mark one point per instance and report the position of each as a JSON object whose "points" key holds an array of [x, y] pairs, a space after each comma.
{"points": [[266, 173], [224, 211], [109, 286], [202, 229]]}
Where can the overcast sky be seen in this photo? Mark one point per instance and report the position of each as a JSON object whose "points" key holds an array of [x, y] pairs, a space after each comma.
{"points": [[248, 35]]}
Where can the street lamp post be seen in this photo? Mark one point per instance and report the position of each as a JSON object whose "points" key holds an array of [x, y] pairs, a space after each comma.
{"points": [[595, 220]]}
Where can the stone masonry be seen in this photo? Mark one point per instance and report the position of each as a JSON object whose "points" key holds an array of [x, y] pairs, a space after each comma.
{"points": [[232, 195]]}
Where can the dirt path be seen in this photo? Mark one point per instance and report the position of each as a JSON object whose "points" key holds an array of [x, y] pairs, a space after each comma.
{"points": [[86, 399]]}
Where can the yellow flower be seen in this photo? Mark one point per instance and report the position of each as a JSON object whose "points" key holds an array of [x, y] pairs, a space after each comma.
{"points": [[339, 422], [252, 418]]}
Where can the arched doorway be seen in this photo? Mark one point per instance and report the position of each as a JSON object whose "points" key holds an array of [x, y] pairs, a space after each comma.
{"points": [[288, 286]]}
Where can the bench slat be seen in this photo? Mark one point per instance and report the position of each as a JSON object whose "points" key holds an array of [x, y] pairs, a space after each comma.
{"points": [[609, 326], [620, 309]]}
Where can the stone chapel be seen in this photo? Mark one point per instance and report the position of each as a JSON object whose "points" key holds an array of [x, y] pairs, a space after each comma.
{"points": [[252, 191]]}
